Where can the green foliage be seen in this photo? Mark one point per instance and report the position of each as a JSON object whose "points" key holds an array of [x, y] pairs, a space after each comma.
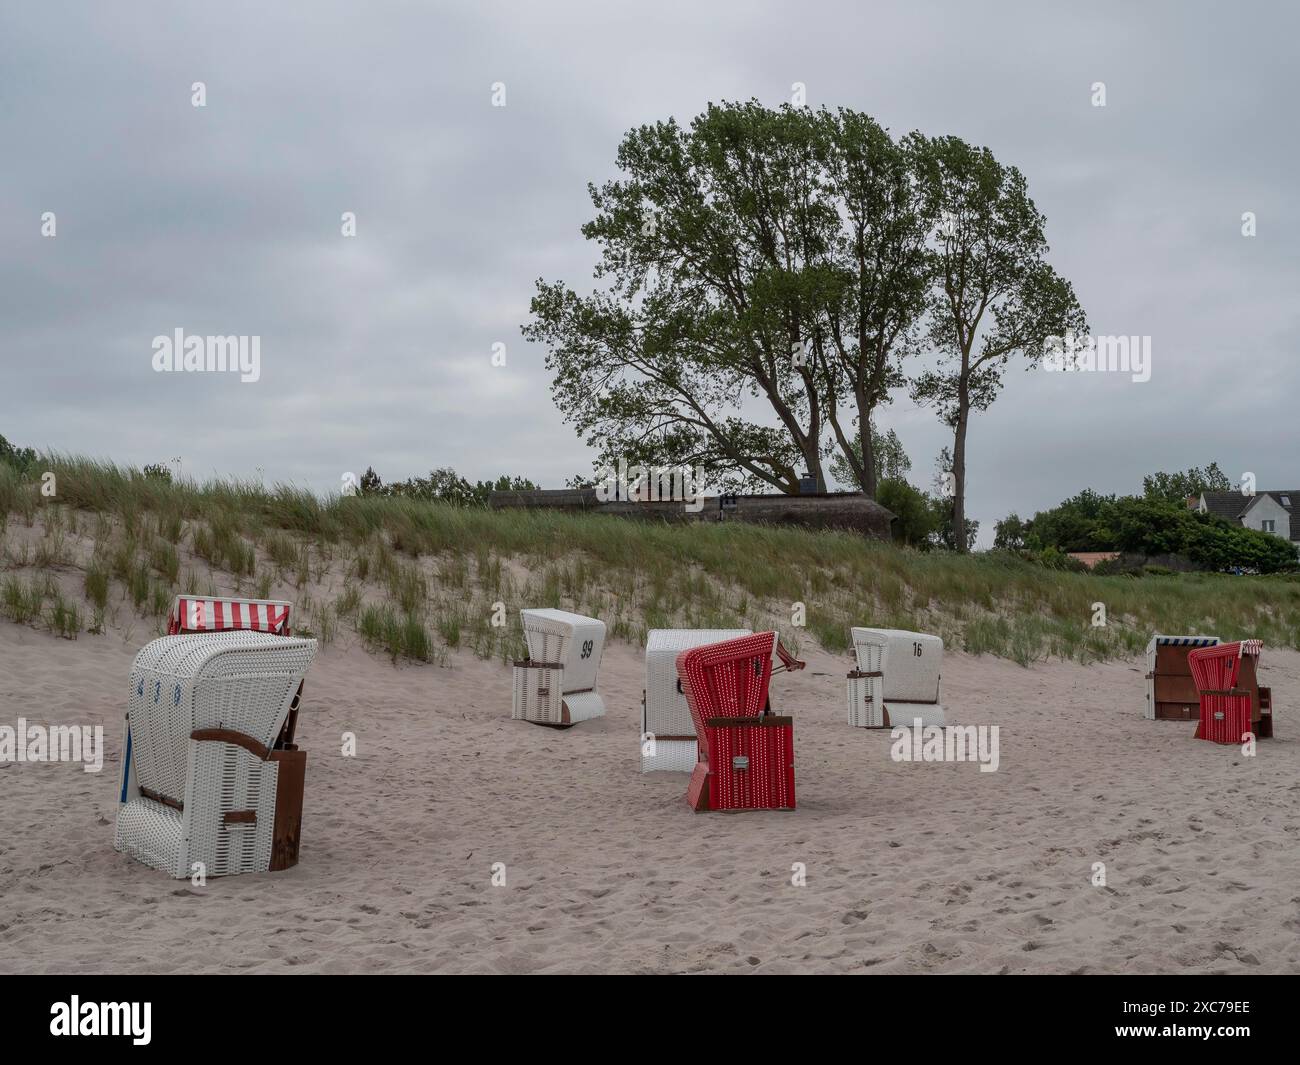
{"points": [[24, 603], [888, 457], [919, 518], [770, 253], [400, 635], [97, 584], [636, 575], [371, 483], [64, 617], [716, 244], [1081, 523], [1054, 558], [995, 297], [1009, 534], [163, 558], [1151, 526], [1179, 487], [22, 460], [156, 471], [444, 485]]}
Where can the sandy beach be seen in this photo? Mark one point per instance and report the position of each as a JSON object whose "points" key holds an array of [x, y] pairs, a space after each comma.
{"points": [[910, 868]]}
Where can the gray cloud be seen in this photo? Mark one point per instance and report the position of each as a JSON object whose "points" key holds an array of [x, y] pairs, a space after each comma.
{"points": [[377, 349]]}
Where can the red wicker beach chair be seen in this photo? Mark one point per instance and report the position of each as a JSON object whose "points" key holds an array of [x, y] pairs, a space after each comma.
{"points": [[746, 759], [1225, 707]]}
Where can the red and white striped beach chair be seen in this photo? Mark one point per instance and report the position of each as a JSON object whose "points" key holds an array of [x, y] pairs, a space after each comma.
{"points": [[1225, 707], [192, 613], [746, 759]]}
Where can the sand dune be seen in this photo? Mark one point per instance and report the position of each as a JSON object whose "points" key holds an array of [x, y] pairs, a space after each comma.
{"points": [[910, 868]]}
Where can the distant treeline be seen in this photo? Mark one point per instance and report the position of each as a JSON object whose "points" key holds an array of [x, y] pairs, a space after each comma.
{"points": [[444, 485], [1156, 524]]}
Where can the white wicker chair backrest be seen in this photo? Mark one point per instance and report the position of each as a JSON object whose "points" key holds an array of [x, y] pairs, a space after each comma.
{"points": [[573, 640], [910, 661], [241, 680], [666, 712]]}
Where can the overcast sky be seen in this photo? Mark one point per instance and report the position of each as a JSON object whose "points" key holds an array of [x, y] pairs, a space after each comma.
{"points": [[376, 350]]}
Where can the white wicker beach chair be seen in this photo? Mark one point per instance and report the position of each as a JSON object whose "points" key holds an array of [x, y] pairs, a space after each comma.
{"points": [[897, 679], [202, 780], [664, 713], [556, 684]]}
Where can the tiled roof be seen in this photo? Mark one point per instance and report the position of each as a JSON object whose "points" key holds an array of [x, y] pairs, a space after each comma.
{"points": [[1226, 504], [1233, 505]]}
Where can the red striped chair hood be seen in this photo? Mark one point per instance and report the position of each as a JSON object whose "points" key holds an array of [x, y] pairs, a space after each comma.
{"points": [[223, 614]]}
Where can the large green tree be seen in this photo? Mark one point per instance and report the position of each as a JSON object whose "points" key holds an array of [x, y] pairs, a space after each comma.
{"points": [[765, 274], [994, 296], [713, 245], [1179, 487], [775, 256], [879, 264]]}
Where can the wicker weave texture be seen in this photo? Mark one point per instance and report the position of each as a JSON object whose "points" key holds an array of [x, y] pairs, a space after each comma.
{"points": [[573, 640], [671, 756], [538, 694], [666, 712], [239, 680], [910, 661], [866, 702], [583, 706], [748, 765]]}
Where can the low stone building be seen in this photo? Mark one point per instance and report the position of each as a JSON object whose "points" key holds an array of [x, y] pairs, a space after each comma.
{"points": [[850, 511]]}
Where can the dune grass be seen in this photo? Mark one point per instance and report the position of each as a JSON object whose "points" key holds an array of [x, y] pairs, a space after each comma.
{"points": [[415, 579]]}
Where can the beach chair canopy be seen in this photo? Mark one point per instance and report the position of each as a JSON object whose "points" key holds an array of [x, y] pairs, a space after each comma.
{"points": [[896, 681], [1225, 707], [573, 641], [192, 613], [909, 662], [746, 753]]}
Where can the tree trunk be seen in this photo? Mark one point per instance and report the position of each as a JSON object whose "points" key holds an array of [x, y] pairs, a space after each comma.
{"points": [[959, 470], [814, 463], [869, 484]]}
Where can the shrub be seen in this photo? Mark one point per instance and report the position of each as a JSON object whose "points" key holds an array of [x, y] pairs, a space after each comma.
{"points": [[918, 520]]}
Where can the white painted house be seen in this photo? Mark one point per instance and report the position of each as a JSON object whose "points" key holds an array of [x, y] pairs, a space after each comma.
{"points": [[1271, 512]]}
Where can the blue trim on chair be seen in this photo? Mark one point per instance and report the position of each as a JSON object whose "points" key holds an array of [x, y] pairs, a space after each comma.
{"points": [[126, 766]]}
